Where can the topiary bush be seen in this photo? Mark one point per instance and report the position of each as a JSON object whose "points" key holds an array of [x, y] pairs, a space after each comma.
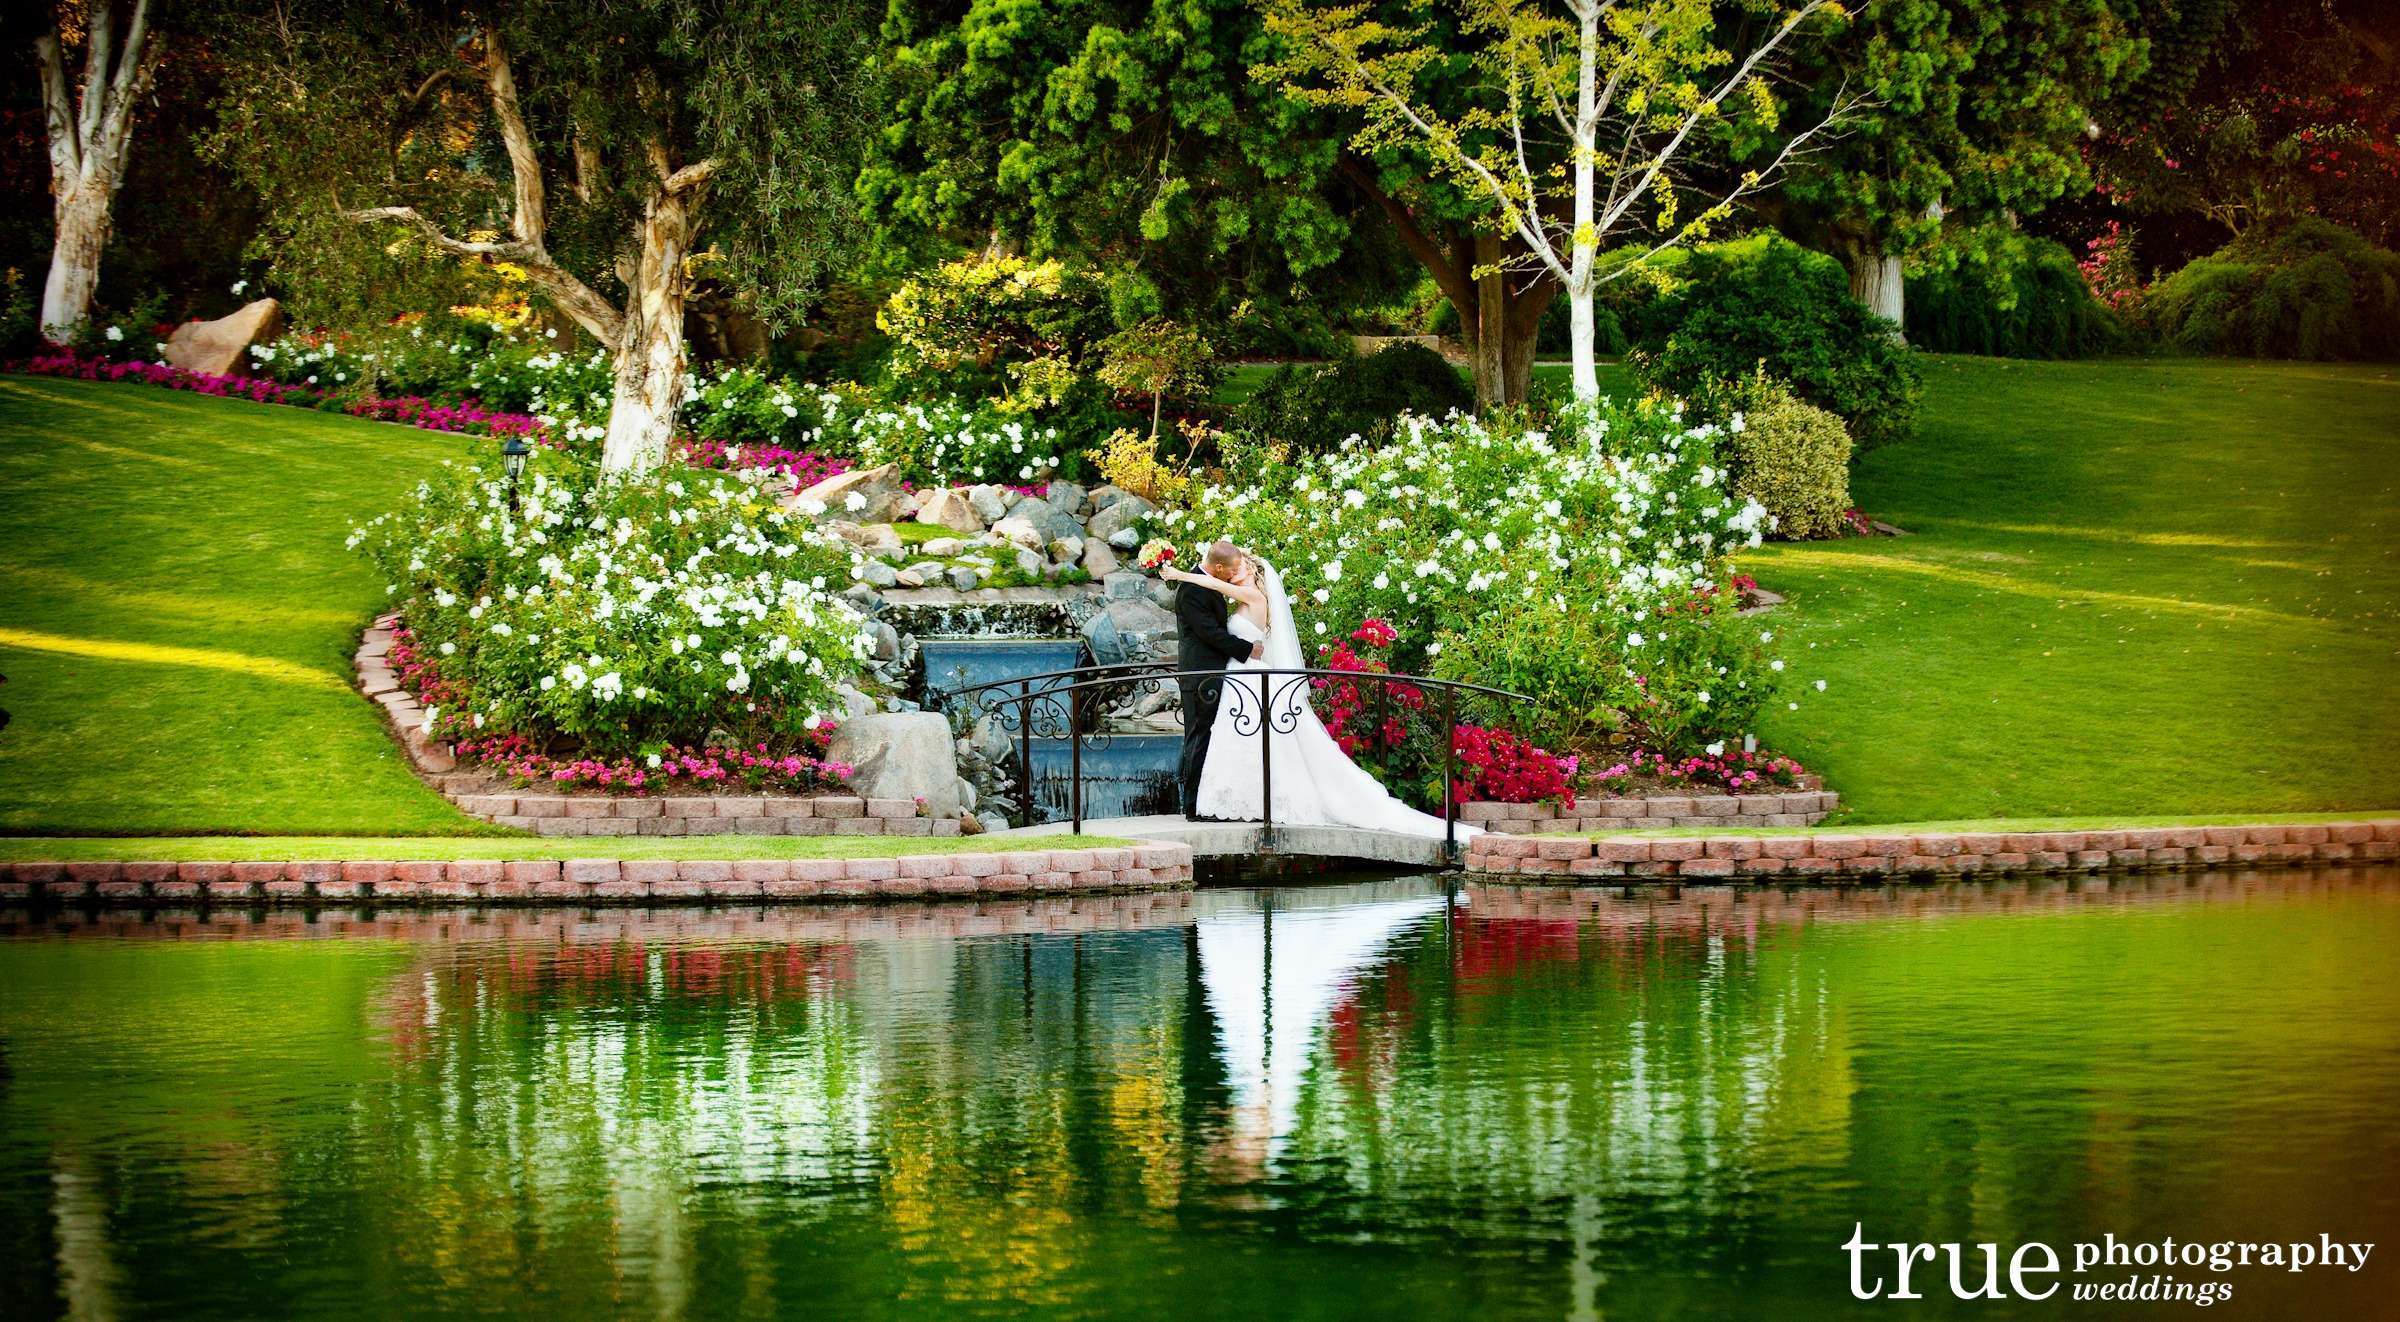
{"points": [[2013, 297], [1767, 304], [1316, 408], [1793, 458], [2308, 290]]}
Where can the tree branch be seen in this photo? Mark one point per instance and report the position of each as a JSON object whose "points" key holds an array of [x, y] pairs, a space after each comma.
{"points": [[1455, 283], [531, 221], [690, 177], [573, 297], [99, 41], [58, 112], [134, 67]]}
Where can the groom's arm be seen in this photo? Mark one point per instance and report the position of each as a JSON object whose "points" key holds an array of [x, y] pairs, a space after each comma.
{"points": [[1202, 619]]}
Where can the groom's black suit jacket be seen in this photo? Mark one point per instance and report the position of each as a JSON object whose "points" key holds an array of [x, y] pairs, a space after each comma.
{"points": [[1204, 644]]}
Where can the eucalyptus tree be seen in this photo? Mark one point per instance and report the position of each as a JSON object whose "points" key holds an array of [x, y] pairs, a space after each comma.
{"points": [[88, 128], [612, 151], [1588, 117]]}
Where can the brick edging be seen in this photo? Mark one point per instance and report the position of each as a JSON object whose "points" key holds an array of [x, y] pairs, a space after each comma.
{"points": [[1867, 853], [600, 814], [582, 881], [1801, 807]]}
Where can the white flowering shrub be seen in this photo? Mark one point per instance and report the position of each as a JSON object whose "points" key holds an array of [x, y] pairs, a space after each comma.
{"points": [[950, 444], [1589, 567], [612, 615]]}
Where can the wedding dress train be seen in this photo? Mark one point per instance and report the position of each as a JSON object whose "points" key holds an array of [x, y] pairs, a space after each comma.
{"points": [[1316, 783]]}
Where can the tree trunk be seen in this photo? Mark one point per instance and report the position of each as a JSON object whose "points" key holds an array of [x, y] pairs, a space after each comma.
{"points": [[1486, 326], [1582, 345], [1876, 280], [82, 232], [650, 356]]}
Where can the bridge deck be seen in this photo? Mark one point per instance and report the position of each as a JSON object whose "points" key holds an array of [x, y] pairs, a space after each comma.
{"points": [[1244, 839]]}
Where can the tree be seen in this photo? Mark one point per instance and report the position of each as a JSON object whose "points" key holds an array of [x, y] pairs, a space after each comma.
{"points": [[2257, 111], [90, 131], [1585, 134], [1983, 111], [716, 137]]}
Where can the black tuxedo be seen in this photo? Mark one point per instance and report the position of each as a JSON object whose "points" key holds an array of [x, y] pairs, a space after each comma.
{"points": [[1206, 644]]}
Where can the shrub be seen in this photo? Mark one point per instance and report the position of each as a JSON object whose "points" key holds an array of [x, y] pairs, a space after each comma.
{"points": [[1591, 558], [611, 616], [1767, 304], [1793, 458], [2308, 290], [2012, 297], [1316, 408], [1130, 462]]}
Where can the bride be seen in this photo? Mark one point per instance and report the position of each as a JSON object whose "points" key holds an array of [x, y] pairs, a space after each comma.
{"points": [[1316, 784]]}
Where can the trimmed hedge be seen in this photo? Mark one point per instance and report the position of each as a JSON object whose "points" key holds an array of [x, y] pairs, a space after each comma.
{"points": [[1793, 458]]}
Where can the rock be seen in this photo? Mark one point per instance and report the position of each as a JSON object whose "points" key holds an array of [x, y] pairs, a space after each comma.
{"points": [[964, 579], [1121, 516], [990, 503], [992, 821], [876, 573], [885, 638], [1098, 560], [1139, 616], [910, 578], [1066, 497], [864, 597], [1154, 703], [873, 538], [1066, 550], [1019, 532], [1124, 539], [946, 508], [944, 547], [1103, 497], [994, 744], [1030, 563], [222, 347], [905, 506], [1125, 585], [1100, 634], [854, 703], [1048, 519], [876, 492], [970, 824], [966, 795], [900, 755]]}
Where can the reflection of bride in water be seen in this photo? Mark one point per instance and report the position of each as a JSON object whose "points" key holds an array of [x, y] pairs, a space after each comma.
{"points": [[1273, 966]]}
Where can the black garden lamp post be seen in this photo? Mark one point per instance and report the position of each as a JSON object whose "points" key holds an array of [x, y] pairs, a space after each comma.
{"points": [[513, 454]]}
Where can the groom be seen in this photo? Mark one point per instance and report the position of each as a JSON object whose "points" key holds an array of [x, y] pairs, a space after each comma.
{"points": [[1206, 644]]}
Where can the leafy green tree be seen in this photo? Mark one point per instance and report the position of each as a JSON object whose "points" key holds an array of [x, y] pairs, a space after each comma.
{"points": [[1582, 127], [1982, 112], [610, 150]]}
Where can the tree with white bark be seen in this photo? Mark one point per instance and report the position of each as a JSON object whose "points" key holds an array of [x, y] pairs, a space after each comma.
{"points": [[89, 128], [695, 141], [1592, 113]]}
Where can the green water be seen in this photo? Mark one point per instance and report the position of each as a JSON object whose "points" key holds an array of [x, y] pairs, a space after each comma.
{"points": [[1370, 1101]]}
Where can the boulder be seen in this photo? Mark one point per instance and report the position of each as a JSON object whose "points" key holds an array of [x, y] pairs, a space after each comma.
{"points": [[1103, 497], [943, 547], [927, 571], [885, 638], [1066, 550], [991, 503], [1020, 532], [966, 796], [854, 703], [1050, 520], [900, 755], [1098, 560], [867, 495], [873, 538], [946, 508], [876, 574], [1125, 539], [1029, 563], [1120, 516], [1100, 634], [1125, 585], [1141, 617], [1066, 497], [965, 579], [222, 347]]}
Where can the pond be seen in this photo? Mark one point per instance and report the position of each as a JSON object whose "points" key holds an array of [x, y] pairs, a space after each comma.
{"points": [[1386, 1098]]}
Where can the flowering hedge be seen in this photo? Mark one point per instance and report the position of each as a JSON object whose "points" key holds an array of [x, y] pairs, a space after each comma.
{"points": [[609, 616], [1584, 567]]}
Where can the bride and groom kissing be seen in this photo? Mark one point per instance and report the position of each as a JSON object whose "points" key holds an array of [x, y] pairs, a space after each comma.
{"points": [[1234, 621]]}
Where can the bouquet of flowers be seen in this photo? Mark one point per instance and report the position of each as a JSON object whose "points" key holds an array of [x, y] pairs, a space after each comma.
{"points": [[1156, 554]]}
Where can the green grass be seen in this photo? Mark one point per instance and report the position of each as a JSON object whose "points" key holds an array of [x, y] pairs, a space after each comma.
{"points": [[177, 614], [204, 848], [2134, 588]]}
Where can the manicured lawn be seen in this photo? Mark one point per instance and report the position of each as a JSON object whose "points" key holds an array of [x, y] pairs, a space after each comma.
{"points": [[2134, 588], [177, 614], [179, 849]]}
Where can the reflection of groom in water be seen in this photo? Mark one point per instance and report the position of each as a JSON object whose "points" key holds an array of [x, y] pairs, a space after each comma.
{"points": [[1206, 644]]}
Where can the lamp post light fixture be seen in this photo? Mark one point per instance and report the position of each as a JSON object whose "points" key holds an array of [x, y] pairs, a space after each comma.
{"points": [[513, 455]]}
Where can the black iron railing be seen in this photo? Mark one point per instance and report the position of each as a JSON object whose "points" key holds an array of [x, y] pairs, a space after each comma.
{"points": [[1066, 704]]}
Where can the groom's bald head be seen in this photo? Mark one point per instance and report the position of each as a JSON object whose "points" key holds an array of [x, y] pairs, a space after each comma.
{"points": [[1220, 558]]}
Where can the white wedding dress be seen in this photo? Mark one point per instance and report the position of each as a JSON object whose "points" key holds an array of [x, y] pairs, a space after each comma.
{"points": [[1316, 783]]}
